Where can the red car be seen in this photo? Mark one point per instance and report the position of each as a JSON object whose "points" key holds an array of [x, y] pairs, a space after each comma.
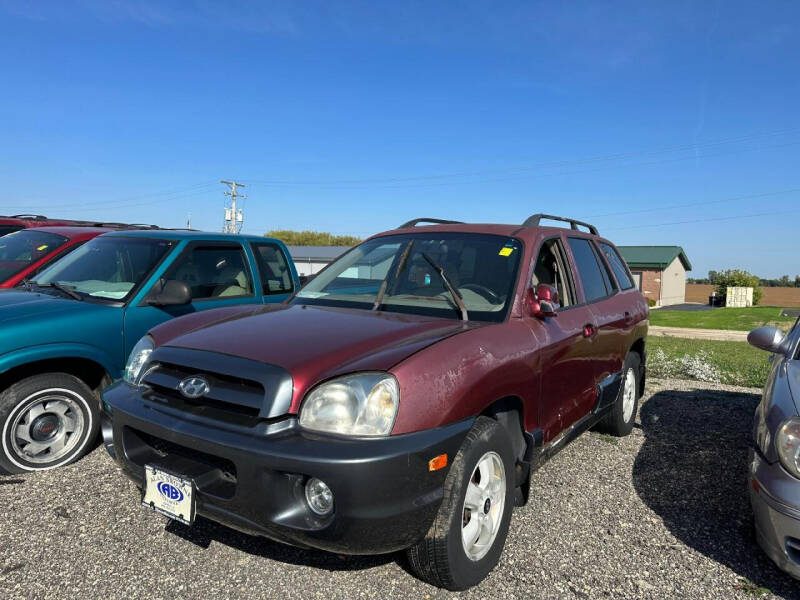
{"points": [[402, 399], [27, 251], [10, 224]]}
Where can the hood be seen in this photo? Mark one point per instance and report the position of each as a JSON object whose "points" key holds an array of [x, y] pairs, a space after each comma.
{"points": [[18, 305], [313, 343], [29, 319]]}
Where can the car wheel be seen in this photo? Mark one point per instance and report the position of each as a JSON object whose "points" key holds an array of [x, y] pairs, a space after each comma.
{"points": [[46, 421], [467, 537], [620, 420]]}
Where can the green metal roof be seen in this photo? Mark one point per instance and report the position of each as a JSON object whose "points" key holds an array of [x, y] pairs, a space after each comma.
{"points": [[653, 257]]}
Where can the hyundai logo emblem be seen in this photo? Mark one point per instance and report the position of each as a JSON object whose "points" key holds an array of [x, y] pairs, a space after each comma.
{"points": [[170, 491], [194, 387]]}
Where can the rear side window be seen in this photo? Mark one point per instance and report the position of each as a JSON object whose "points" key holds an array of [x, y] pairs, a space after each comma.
{"points": [[214, 272], [617, 265], [275, 275], [589, 270]]}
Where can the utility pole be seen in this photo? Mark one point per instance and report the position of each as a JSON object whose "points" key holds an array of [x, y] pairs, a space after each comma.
{"points": [[233, 216]]}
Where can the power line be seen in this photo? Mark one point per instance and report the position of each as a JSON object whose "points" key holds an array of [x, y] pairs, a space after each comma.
{"points": [[710, 220], [176, 192]]}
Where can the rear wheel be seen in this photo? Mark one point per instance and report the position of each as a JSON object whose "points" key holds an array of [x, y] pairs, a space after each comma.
{"points": [[46, 421], [620, 420], [466, 540]]}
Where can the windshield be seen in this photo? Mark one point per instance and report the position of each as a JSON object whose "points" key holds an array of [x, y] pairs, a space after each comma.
{"points": [[107, 267], [23, 248], [396, 271]]}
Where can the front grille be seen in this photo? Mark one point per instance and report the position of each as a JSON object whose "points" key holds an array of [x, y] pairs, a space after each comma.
{"points": [[230, 398], [241, 391]]}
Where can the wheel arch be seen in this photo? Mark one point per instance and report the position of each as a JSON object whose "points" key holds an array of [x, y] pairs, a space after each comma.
{"points": [[509, 413], [89, 368], [639, 348]]}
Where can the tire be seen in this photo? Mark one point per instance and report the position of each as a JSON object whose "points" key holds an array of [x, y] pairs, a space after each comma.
{"points": [[442, 558], [620, 420], [56, 412]]}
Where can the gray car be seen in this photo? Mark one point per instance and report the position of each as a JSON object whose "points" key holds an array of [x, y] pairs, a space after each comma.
{"points": [[774, 479]]}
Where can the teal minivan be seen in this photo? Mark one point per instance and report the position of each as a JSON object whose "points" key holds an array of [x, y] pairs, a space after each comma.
{"points": [[66, 334]]}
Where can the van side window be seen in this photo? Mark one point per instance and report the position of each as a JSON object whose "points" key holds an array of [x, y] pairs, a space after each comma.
{"points": [[551, 268], [617, 265], [589, 270]]}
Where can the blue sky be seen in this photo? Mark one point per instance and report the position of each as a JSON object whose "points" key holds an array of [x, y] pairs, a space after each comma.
{"points": [[663, 123]]}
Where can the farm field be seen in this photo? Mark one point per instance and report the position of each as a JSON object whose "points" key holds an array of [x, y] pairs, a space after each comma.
{"points": [[738, 319], [776, 296]]}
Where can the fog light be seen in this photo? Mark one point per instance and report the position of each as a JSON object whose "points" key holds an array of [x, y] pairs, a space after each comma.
{"points": [[319, 496]]}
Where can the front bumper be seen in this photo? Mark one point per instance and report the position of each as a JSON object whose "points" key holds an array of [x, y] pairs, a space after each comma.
{"points": [[253, 478], [774, 495]]}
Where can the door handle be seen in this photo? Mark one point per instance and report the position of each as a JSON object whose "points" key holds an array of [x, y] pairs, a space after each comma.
{"points": [[589, 330]]}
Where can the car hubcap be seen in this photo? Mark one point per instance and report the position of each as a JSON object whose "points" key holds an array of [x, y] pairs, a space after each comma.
{"points": [[628, 396], [483, 506], [47, 429]]}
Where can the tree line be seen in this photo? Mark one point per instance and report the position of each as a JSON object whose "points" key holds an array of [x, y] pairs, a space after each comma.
{"points": [[783, 281], [312, 238]]}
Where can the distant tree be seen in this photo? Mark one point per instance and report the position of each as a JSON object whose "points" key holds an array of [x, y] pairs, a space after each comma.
{"points": [[312, 238], [785, 281], [736, 278], [797, 281]]}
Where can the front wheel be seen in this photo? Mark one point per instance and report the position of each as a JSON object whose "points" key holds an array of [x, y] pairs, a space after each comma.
{"points": [[46, 421], [467, 537]]}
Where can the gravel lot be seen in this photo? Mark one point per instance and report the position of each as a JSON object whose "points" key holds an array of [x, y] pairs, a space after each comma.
{"points": [[660, 514]]}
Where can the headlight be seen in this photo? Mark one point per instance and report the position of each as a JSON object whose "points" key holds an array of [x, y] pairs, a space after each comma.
{"points": [[140, 356], [787, 443], [360, 404]]}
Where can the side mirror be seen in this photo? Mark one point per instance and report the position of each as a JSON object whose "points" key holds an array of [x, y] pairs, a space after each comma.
{"points": [[304, 279], [767, 338], [172, 293], [543, 302]]}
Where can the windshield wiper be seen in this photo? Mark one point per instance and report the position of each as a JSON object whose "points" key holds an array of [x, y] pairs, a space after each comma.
{"points": [[61, 288], [397, 271], [27, 283], [453, 292]]}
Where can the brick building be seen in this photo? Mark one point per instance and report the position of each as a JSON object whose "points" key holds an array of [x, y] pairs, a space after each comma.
{"points": [[659, 272]]}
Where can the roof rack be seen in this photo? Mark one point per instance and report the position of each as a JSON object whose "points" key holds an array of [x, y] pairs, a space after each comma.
{"points": [[415, 222], [533, 221], [33, 217]]}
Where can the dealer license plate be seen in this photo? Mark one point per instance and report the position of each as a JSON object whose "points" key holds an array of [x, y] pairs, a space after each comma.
{"points": [[168, 494]]}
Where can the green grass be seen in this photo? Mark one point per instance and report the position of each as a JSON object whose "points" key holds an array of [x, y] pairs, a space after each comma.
{"points": [[755, 590], [737, 363], [739, 319]]}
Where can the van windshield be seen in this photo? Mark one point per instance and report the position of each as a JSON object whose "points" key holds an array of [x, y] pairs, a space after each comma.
{"points": [[25, 247], [107, 268], [399, 272]]}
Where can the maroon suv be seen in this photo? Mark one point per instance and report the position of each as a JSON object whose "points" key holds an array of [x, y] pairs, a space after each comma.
{"points": [[400, 400]]}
